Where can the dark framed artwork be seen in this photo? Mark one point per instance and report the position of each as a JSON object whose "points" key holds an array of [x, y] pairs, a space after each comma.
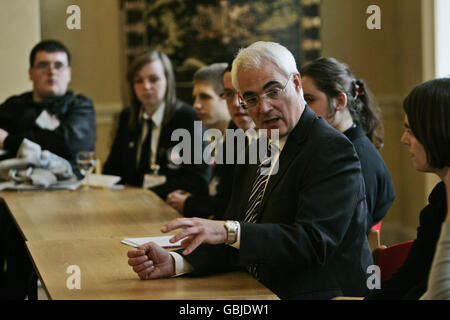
{"points": [[194, 33]]}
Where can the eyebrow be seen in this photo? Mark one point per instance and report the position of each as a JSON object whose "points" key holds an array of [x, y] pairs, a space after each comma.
{"points": [[203, 96], [265, 87]]}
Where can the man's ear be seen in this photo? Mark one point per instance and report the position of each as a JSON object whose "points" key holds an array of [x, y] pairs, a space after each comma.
{"points": [[297, 81], [340, 101], [70, 74]]}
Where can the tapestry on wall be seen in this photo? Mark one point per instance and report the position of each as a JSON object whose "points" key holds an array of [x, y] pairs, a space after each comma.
{"points": [[195, 33]]}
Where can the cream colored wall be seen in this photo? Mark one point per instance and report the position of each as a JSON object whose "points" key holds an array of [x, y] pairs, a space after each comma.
{"points": [[19, 32], [97, 59], [391, 62]]}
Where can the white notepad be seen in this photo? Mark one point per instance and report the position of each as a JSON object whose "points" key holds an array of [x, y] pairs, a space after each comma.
{"points": [[162, 241]]}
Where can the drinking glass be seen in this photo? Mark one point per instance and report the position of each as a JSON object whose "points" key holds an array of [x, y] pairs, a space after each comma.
{"points": [[86, 164]]}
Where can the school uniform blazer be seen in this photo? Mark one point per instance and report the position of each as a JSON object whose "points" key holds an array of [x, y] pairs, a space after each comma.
{"points": [[204, 206], [310, 240], [378, 181], [121, 161]]}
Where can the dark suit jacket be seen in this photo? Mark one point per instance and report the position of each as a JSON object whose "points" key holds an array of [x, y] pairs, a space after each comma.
{"points": [[310, 240], [203, 206], [122, 158], [410, 280], [378, 181]]}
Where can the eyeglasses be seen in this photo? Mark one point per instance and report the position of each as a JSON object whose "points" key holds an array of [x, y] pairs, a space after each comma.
{"points": [[229, 95], [46, 66], [273, 94]]}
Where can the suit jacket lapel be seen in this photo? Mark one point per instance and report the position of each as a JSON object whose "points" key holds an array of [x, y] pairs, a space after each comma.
{"points": [[290, 151]]}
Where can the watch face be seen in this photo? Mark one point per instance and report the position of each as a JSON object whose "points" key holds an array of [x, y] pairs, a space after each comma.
{"points": [[230, 225]]}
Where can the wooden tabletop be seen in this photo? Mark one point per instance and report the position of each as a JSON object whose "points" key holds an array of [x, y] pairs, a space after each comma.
{"points": [[85, 227], [105, 274], [93, 213]]}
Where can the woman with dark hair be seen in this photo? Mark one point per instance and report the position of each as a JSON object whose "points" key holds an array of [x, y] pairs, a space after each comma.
{"points": [[142, 149], [427, 135], [331, 90]]}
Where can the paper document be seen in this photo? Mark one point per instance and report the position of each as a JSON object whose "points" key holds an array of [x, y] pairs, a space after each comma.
{"points": [[162, 241], [101, 180]]}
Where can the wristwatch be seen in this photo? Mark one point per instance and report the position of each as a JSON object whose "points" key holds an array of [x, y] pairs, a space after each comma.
{"points": [[232, 228]]}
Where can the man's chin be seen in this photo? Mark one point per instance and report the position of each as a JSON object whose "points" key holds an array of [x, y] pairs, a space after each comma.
{"points": [[48, 94], [269, 130]]}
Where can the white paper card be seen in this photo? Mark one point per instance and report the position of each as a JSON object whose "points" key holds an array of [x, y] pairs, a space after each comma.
{"points": [[162, 241], [47, 121], [153, 180], [102, 180]]}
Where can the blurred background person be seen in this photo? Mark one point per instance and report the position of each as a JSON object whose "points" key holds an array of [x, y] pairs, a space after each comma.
{"points": [[427, 136], [211, 108], [336, 95], [142, 146], [56, 119], [215, 205]]}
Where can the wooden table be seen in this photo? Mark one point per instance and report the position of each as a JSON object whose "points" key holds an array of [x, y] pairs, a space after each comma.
{"points": [[85, 227], [93, 213], [105, 274]]}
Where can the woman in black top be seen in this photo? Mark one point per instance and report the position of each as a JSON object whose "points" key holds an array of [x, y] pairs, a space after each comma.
{"points": [[143, 143], [331, 90], [427, 136]]}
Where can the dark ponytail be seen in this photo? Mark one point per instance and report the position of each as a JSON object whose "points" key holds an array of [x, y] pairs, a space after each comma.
{"points": [[332, 77]]}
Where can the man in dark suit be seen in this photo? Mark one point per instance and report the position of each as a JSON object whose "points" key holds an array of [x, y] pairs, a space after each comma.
{"points": [[300, 231]]}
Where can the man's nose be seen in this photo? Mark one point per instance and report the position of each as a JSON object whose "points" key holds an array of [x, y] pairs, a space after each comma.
{"points": [[197, 104], [264, 105], [236, 102]]}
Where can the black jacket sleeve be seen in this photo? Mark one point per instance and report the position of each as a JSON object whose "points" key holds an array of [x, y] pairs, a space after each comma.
{"points": [[194, 176]]}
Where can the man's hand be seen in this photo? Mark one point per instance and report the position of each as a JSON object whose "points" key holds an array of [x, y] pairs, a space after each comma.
{"points": [[176, 199], [3, 135], [150, 261], [196, 231]]}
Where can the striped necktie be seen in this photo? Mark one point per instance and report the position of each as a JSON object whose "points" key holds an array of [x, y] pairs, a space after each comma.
{"points": [[256, 195], [254, 201], [259, 185]]}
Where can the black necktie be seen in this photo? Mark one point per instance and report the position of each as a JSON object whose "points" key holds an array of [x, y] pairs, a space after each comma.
{"points": [[144, 162]]}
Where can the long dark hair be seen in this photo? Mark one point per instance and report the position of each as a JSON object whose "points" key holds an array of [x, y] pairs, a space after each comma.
{"points": [[332, 77], [428, 110], [170, 96]]}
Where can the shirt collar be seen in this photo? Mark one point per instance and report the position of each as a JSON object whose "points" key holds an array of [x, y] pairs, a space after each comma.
{"points": [[157, 116]]}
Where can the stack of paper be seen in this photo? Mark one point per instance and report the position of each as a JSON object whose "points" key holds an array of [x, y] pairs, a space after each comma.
{"points": [[161, 241]]}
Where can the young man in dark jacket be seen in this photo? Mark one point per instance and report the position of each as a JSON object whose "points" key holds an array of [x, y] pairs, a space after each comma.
{"points": [[58, 121]]}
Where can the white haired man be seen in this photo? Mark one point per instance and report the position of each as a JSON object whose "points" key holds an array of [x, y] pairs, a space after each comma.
{"points": [[301, 232]]}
